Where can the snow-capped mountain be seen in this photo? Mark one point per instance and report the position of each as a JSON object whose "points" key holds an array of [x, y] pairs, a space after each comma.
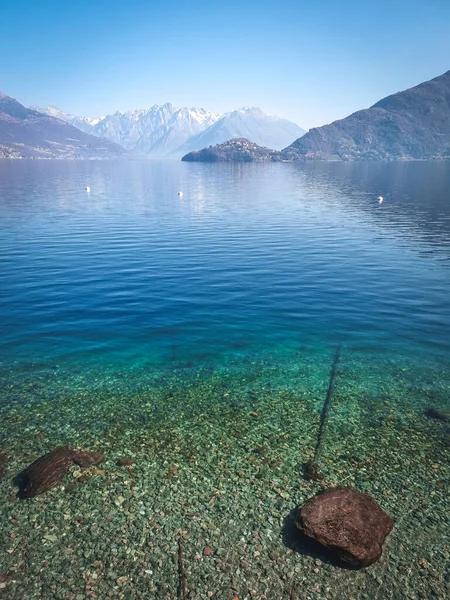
{"points": [[156, 131], [164, 131], [251, 123], [84, 123], [184, 123], [131, 126]]}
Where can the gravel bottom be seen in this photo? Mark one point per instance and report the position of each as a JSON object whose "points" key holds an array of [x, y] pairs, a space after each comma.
{"points": [[218, 453]]}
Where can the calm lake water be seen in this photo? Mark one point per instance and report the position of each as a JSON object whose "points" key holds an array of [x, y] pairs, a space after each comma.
{"points": [[251, 256], [195, 335]]}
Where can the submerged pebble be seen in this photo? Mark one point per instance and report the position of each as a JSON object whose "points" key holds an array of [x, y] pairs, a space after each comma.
{"points": [[192, 474], [126, 462]]}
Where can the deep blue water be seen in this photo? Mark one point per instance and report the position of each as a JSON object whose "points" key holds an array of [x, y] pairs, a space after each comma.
{"points": [[251, 257]]}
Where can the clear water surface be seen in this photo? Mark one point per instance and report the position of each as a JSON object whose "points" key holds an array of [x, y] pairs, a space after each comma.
{"points": [[251, 256]]}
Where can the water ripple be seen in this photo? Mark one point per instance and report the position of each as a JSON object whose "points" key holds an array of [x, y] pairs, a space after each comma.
{"points": [[271, 253]]}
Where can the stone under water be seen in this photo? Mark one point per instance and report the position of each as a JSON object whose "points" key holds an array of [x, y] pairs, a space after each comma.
{"points": [[443, 414], [3, 464], [348, 522], [47, 471]]}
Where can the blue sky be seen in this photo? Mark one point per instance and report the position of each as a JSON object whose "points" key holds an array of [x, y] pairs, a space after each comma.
{"points": [[311, 62]]}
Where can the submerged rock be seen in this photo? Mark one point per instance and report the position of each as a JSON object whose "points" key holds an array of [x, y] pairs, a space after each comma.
{"points": [[3, 464], [349, 523], [311, 471], [442, 414], [46, 472]]}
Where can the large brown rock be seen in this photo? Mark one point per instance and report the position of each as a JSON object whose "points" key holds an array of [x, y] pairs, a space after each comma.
{"points": [[347, 522], [46, 472]]}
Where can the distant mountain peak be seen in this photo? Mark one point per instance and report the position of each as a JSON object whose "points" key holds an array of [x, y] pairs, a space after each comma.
{"points": [[84, 123], [248, 123], [252, 109]]}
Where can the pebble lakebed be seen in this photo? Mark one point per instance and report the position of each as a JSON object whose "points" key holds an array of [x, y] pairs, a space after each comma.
{"points": [[216, 453]]}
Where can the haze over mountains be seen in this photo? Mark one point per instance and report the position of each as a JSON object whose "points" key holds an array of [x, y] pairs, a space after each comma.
{"points": [[164, 131], [26, 133], [250, 123], [84, 123], [413, 124]]}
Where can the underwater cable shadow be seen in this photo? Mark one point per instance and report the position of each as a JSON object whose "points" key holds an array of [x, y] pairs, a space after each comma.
{"points": [[311, 469], [292, 537]]}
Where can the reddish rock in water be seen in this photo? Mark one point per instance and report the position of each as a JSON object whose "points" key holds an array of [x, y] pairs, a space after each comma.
{"points": [[349, 523], [46, 472], [87, 459], [3, 464]]}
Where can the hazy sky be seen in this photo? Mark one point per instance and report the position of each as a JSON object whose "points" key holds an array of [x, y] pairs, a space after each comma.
{"points": [[311, 62]]}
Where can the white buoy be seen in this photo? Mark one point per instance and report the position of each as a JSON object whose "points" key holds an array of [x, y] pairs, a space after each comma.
{"points": [[87, 188], [380, 199], [180, 194]]}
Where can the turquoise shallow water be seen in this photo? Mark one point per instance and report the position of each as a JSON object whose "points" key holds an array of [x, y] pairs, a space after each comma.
{"points": [[196, 335]]}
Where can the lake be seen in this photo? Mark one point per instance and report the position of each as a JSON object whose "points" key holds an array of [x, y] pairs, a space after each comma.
{"points": [[195, 335]]}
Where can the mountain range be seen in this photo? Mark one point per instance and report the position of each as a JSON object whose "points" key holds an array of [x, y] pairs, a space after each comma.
{"points": [[164, 131], [27, 133], [412, 124]]}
